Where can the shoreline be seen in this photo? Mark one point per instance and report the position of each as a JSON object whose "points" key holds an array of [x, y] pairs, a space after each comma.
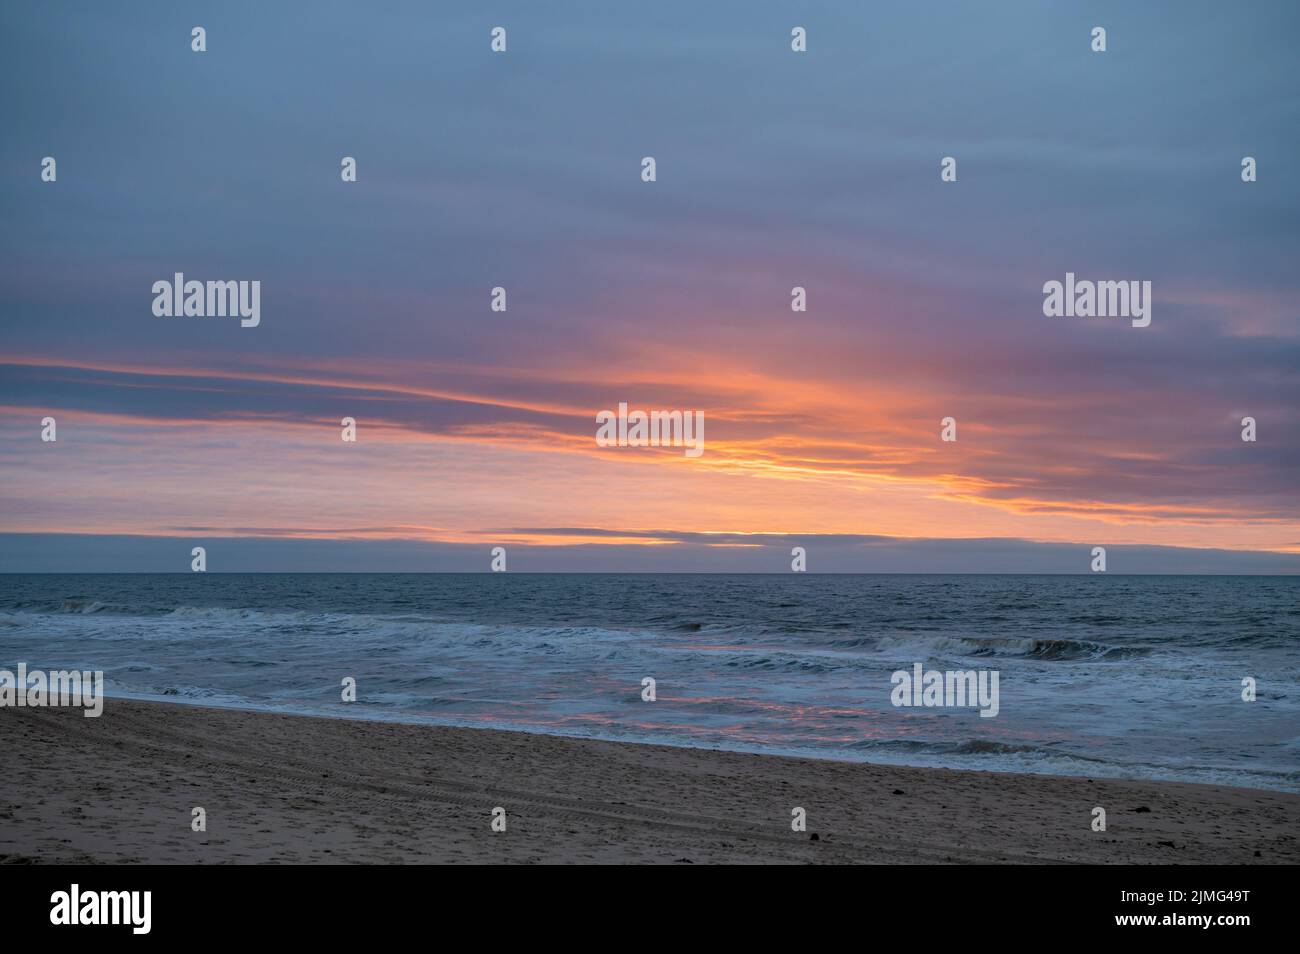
{"points": [[280, 787], [763, 751]]}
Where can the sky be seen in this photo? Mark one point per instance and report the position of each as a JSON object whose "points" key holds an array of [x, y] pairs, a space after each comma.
{"points": [[522, 169]]}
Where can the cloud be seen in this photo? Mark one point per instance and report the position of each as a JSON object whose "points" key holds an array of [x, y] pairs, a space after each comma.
{"points": [[54, 553], [775, 170]]}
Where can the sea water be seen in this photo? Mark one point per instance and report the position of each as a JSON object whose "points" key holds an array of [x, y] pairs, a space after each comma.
{"points": [[1099, 675]]}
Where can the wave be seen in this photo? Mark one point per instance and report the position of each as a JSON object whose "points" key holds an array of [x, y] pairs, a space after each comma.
{"points": [[998, 756], [77, 606], [966, 747], [1027, 647], [84, 607]]}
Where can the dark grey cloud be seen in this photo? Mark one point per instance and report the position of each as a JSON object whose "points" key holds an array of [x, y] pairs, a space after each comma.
{"points": [[75, 553]]}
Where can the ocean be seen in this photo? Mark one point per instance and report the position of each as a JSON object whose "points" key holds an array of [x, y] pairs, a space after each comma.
{"points": [[1098, 675]]}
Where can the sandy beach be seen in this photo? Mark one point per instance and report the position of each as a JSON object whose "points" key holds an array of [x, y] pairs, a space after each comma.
{"points": [[281, 788]]}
